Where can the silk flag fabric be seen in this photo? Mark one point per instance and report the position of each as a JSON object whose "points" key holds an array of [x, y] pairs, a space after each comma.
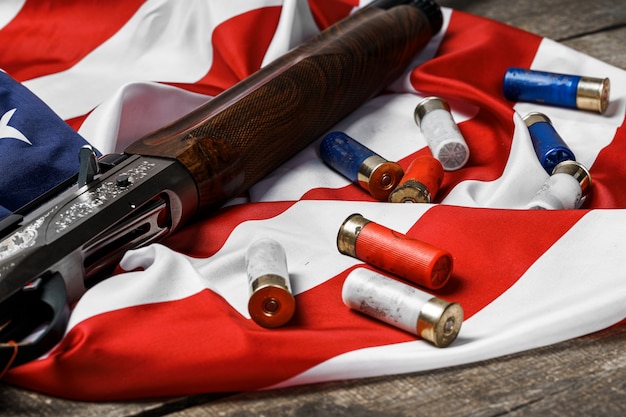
{"points": [[174, 319]]}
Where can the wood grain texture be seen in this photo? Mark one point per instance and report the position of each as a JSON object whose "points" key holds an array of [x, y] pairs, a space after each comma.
{"points": [[580, 377]]}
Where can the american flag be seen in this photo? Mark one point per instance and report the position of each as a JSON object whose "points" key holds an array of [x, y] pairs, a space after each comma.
{"points": [[174, 319]]}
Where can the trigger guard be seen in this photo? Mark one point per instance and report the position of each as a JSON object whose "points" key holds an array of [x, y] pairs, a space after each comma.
{"points": [[54, 296]]}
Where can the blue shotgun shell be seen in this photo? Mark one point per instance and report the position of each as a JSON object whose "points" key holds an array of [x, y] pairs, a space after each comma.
{"points": [[360, 164], [549, 146], [561, 90]]}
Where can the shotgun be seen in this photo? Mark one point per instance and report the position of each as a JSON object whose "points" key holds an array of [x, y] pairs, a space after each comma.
{"points": [[60, 244]]}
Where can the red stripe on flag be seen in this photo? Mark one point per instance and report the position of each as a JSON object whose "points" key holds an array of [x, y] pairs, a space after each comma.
{"points": [[204, 238], [77, 122], [239, 46], [473, 68], [325, 16], [350, 192], [44, 39], [492, 248]]}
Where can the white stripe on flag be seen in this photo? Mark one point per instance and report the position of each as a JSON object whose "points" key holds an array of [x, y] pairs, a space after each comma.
{"points": [[135, 110], [8, 10], [168, 275], [296, 25]]}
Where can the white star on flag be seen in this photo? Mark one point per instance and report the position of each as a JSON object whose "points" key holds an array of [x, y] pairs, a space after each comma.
{"points": [[9, 132]]}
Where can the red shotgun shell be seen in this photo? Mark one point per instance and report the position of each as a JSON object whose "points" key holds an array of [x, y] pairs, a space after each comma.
{"points": [[408, 258], [420, 182]]}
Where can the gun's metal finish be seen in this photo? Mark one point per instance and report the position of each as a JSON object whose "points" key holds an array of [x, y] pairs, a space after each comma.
{"points": [[82, 231], [59, 244], [80, 235]]}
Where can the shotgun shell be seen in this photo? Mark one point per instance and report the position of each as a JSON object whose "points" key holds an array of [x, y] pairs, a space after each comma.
{"points": [[578, 171], [420, 182], [271, 303], [402, 306], [549, 146], [442, 134], [411, 259], [561, 90], [360, 164], [565, 189]]}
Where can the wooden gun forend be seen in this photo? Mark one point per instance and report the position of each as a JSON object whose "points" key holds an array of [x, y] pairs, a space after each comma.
{"points": [[244, 133]]}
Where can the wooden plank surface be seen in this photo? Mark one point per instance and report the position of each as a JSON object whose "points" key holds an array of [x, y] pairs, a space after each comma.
{"points": [[580, 377], [597, 28]]}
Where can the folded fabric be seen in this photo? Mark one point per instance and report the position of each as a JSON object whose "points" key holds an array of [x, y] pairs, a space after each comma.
{"points": [[174, 320], [38, 150]]}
